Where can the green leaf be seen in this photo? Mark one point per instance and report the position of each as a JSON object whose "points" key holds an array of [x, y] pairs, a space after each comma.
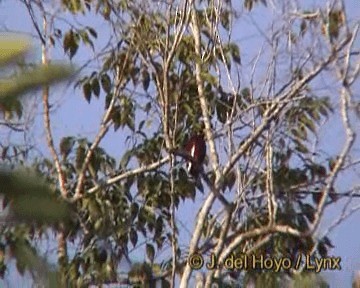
{"points": [[323, 110], [189, 109], [130, 123], [225, 19], [95, 86], [108, 99], [32, 199], [126, 158], [17, 107], [159, 226], [209, 78], [235, 52], [70, 43], [33, 79], [300, 147], [116, 118], [94, 211], [106, 83], [92, 32], [134, 210], [303, 27], [308, 211], [66, 144], [308, 123], [150, 252], [314, 114], [87, 91], [147, 107], [74, 6], [12, 48], [133, 237], [145, 79], [4, 152], [248, 4], [85, 38], [230, 179], [80, 157]]}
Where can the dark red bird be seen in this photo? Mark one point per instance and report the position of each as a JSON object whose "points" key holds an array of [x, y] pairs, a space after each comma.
{"points": [[196, 148]]}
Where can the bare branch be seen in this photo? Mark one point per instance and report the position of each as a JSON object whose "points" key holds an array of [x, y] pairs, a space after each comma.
{"points": [[350, 138], [47, 123], [131, 173], [239, 237], [277, 106]]}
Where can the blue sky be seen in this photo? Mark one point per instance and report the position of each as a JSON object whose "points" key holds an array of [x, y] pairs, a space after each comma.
{"points": [[72, 116]]}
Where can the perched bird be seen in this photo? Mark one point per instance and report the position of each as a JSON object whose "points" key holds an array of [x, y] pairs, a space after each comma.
{"points": [[196, 148]]}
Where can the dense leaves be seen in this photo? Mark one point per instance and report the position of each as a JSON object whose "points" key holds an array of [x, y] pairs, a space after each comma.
{"points": [[31, 204]]}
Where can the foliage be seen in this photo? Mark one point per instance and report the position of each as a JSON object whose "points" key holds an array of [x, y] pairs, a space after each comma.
{"points": [[33, 204]]}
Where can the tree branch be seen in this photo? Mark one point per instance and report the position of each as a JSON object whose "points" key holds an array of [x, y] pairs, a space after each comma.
{"points": [[47, 123], [104, 127], [278, 105], [345, 98]]}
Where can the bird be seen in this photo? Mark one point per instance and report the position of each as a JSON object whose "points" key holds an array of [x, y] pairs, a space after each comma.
{"points": [[196, 148]]}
